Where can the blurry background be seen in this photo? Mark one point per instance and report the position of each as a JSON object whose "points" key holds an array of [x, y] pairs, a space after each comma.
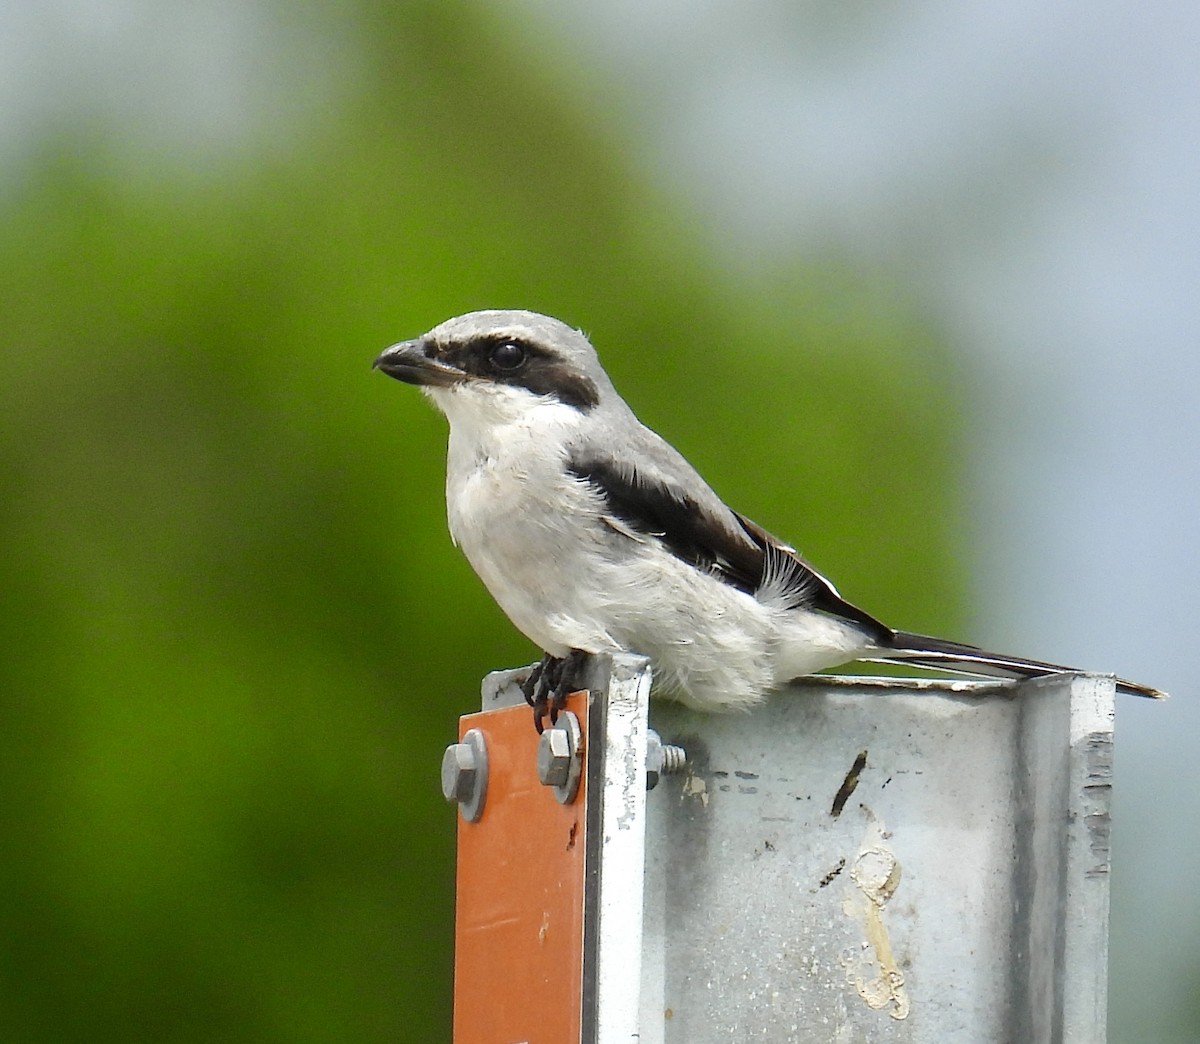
{"points": [[915, 286]]}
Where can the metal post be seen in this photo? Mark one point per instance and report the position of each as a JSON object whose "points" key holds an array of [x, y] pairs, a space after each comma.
{"points": [[857, 859], [884, 860]]}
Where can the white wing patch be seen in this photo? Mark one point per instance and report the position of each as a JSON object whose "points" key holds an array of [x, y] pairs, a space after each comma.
{"points": [[787, 582]]}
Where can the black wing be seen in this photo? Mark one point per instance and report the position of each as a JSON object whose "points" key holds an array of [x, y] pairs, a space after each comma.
{"points": [[695, 526]]}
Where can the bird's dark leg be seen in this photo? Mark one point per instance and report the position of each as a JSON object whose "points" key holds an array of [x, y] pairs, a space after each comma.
{"points": [[549, 683], [572, 667], [530, 684]]}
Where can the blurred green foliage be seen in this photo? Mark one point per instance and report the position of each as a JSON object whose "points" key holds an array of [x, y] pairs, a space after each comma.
{"points": [[236, 636]]}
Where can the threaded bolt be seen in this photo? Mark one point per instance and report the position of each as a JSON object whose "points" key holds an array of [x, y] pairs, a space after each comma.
{"points": [[674, 759], [662, 759]]}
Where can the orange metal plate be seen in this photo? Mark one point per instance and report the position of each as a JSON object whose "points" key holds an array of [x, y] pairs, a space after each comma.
{"points": [[518, 939]]}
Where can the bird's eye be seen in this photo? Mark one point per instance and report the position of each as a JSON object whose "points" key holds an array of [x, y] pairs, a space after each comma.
{"points": [[507, 355]]}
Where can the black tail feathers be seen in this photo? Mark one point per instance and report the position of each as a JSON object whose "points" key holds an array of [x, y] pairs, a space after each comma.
{"points": [[940, 655]]}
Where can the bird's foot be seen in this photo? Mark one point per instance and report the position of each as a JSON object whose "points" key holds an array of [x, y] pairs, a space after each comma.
{"points": [[549, 683], [542, 683]]}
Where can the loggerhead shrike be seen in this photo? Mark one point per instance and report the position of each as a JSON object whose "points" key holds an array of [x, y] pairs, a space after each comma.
{"points": [[595, 536]]}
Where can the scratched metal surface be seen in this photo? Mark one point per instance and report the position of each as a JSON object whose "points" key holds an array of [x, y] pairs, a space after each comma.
{"points": [[883, 861]]}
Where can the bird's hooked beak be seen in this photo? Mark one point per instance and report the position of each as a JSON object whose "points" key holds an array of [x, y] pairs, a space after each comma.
{"points": [[414, 363]]}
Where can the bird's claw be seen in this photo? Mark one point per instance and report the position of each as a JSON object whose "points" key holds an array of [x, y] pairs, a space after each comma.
{"points": [[547, 687], [539, 690]]}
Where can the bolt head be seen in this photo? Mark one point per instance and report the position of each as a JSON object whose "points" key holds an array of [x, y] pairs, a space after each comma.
{"points": [[459, 772], [554, 756]]}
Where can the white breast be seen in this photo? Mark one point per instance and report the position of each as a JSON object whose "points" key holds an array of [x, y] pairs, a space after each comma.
{"points": [[522, 521]]}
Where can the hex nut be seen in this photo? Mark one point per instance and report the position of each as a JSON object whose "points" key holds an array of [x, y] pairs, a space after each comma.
{"points": [[662, 759], [554, 757], [458, 772], [560, 757], [464, 774]]}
